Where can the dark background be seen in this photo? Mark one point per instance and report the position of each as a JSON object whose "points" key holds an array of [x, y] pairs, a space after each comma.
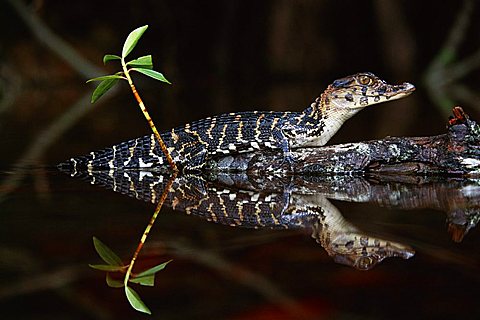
{"points": [[223, 56]]}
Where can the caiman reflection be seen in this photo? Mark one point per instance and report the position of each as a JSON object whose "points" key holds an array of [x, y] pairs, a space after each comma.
{"points": [[238, 200]]}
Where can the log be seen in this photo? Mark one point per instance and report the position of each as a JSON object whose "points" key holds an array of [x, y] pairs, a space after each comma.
{"points": [[455, 153]]}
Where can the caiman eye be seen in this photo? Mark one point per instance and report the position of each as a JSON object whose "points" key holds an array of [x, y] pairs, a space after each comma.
{"points": [[365, 80]]}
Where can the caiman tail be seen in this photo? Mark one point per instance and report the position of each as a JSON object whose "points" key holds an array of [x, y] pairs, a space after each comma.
{"points": [[142, 152]]}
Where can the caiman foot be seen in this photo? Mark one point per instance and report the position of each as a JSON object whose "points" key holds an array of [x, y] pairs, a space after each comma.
{"points": [[287, 163]]}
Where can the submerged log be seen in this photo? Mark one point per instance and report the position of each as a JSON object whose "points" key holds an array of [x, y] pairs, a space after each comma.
{"points": [[456, 152]]}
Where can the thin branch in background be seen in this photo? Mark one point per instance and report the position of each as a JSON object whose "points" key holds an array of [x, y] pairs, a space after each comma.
{"points": [[242, 275], [44, 139], [10, 86], [50, 280], [464, 67], [32, 279], [37, 148], [463, 94], [455, 38], [52, 41], [442, 72]]}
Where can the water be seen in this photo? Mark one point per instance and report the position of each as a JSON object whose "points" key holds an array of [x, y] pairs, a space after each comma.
{"points": [[297, 253]]}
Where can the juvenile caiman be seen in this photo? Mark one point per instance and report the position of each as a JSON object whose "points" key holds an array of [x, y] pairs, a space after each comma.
{"points": [[192, 145]]}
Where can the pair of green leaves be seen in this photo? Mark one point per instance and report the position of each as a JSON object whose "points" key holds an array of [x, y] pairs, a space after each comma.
{"points": [[114, 264], [143, 65]]}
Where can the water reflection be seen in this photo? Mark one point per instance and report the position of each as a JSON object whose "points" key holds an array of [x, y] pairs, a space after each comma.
{"points": [[302, 202]]}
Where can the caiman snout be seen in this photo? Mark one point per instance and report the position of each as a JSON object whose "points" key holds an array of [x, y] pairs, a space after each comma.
{"points": [[389, 90]]}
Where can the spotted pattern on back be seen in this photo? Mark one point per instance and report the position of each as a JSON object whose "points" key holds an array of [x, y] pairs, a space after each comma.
{"points": [[213, 202]]}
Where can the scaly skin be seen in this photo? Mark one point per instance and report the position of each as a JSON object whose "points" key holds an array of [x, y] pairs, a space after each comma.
{"points": [[192, 145], [246, 205]]}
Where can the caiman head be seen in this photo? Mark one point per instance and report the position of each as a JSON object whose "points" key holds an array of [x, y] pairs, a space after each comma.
{"points": [[355, 92], [343, 99]]}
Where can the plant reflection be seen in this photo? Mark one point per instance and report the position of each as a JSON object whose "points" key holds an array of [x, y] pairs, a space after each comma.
{"points": [[302, 202]]}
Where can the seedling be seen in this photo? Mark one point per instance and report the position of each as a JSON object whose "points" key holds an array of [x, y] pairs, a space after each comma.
{"points": [[143, 65], [114, 265]]}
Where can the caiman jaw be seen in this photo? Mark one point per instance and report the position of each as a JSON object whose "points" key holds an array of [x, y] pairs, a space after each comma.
{"points": [[393, 92]]}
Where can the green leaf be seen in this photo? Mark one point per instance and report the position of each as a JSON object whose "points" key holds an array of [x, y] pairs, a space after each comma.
{"points": [[110, 57], [143, 62], [153, 270], [106, 253], [144, 281], [152, 74], [135, 300], [132, 40], [106, 267], [99, 91], [114, 283], [109, 77]]}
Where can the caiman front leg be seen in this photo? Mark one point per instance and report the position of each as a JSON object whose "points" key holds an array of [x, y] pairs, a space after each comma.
{"points": [[283, 138]]}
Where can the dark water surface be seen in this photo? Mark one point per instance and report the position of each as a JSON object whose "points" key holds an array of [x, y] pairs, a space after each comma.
{"points": [[220, 271]]}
